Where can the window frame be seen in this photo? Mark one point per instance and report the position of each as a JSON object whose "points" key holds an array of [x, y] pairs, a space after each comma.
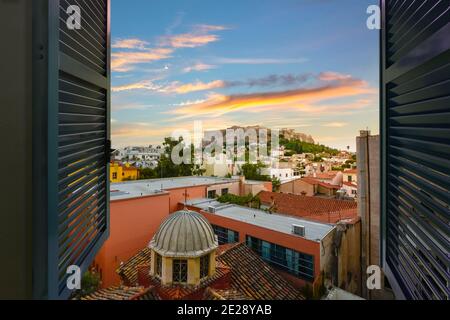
{"points": [[204, 266], [180, 271]]}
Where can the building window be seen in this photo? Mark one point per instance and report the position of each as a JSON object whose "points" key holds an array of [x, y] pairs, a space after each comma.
{"points": [[354, 192], [114, 175], [158, 266], [296, 263], [212, 194], [225, 191], [204, 266], [226, 236], [350, 179], [180, 271]]}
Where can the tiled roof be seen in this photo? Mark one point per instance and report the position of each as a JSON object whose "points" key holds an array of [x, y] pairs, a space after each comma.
{"points": [[128, 271], [253, 277], [310, 180], [176, 292], [230, 294], [326, 175], [350, 184], [316, 208], [328, 185], [123, 293], [351, 171]]}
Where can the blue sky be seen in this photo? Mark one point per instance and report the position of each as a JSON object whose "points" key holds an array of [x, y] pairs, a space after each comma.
{"points": [[311, 65]]}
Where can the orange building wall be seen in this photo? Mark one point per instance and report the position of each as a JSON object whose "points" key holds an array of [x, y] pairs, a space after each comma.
{"points": [[133, 223], [177, 196], [282, 239]]}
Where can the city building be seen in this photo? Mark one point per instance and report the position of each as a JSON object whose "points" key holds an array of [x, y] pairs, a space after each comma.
{"points": [[303, 251], [282, 174], [350, 190], [350, 175], [312, 208], [184, 261], [122, 172], [309, 186], [137, 208], [415, 139]]}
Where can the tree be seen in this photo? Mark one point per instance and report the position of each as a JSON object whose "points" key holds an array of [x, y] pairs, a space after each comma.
{"points": [[276, 185], [246, 201], [253, 171], [167, 168], [90, 282]]}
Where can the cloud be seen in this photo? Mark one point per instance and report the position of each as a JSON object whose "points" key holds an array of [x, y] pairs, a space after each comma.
{"points": [[174, 87], [194, 87], [130, 106], [259, 61], [142, 85], [306, 99], [199, 36], [199, 67], [335, 125], [333, 76], [126, 60], [273, 80], [130, 44]]}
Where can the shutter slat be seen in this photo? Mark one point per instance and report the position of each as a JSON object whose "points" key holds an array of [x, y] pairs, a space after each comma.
{"points": [[416, 146]]}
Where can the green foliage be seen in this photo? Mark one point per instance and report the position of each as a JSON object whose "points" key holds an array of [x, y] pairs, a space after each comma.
{"points": [[305, 147], [167, 168], [318, 159], [90, 282], [253, 172], [276, 184], [246, 201], [147, 173]]}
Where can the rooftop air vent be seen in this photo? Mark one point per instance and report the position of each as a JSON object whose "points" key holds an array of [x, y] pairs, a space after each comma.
{"points": [[211, 209], [298, 230]]}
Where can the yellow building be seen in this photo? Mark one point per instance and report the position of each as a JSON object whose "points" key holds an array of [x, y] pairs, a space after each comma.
{"points": [[119, 173]]}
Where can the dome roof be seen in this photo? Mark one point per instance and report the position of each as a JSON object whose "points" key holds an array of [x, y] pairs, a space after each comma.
{"points": [[184, 234]]}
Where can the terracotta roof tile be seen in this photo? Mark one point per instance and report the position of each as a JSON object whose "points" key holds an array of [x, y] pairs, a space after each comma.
{"points": [[252, 276], [128, 271], [240, 274], [231, 294], [315, 208], [123, 293]]}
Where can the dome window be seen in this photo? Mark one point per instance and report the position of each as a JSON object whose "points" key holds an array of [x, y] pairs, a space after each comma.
{"points": [[204, 266], [180, 271]]}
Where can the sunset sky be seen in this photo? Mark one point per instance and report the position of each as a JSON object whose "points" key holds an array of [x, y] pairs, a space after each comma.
{"points": [[311, 65]]}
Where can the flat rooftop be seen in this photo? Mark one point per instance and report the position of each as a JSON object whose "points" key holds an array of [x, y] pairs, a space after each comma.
{"points": [[142, 188], [314, 231]]}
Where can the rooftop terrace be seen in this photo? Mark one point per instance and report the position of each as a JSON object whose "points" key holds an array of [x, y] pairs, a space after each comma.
{"points": [[142, 188], [314, 231]]}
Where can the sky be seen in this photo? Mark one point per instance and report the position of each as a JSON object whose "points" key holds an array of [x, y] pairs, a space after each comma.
{"points": [[310, 65]]}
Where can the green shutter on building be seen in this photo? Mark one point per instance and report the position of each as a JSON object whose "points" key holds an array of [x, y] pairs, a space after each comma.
{"points": [[72, 67]]}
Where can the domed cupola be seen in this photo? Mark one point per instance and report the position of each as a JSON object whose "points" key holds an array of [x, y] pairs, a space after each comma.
{"points": [[184, 234], [183, 249]]}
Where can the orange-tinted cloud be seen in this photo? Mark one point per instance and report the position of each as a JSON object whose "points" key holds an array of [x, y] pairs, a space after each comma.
{"points": [[196, 86], [142, 85], [174, 87], [199, 67], [304, 99], [199, 36], [130, 44], [126, 60]]}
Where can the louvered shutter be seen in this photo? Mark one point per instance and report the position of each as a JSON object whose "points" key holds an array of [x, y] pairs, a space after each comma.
{"points": [[416, 146], [78, 138]]}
